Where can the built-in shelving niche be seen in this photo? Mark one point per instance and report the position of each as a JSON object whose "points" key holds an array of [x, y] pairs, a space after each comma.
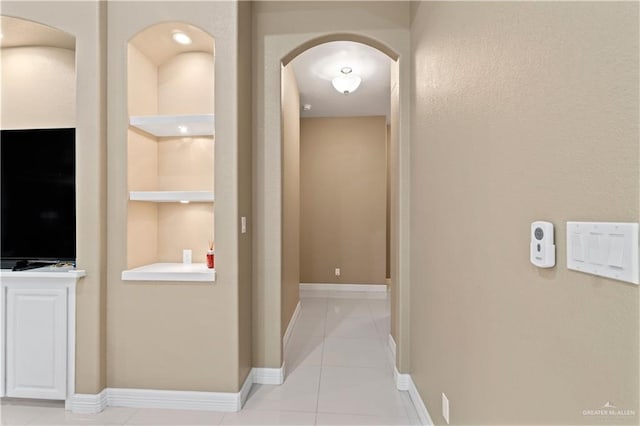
{"points": [[175, 125], [170, 154]]}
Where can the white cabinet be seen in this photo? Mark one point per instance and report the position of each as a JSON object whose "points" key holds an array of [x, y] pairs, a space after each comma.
{"points": [[36, 343], [37, 333]]}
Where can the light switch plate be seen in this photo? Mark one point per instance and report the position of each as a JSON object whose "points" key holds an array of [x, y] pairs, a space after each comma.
{"points": [[606, 249]]}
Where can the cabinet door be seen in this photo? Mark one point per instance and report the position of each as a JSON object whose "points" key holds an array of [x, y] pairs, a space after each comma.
{"points": [[36, 345]]}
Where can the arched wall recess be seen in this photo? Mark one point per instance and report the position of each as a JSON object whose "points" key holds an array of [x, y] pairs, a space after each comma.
{"points": [[38, 75], [171, 153], [40, 89]]}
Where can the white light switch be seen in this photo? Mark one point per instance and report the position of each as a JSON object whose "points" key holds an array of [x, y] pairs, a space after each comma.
{"points": [[243, 225], [578, 247], [594, 248], [616, 250], [606, 249]]}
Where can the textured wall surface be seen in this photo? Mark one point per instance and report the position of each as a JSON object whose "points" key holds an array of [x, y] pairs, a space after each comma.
{"points": [[290, 195], [521, 112], [343, 200], [38, 87]]}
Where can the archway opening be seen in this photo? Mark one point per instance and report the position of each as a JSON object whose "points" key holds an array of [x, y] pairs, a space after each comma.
{"points": [[314, 232]]}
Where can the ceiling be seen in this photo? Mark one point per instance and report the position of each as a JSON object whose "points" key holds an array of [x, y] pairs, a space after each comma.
{"points": [[316, 67], [157, 44], [19, 33]]}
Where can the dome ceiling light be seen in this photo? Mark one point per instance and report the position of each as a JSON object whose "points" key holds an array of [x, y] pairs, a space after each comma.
{"points": [[181, 38], [346, 82]]}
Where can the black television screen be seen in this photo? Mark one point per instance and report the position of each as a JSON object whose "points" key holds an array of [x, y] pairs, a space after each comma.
{"points": [[38, 195]]}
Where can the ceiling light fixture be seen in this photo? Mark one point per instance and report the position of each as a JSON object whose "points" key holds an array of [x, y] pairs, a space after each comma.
{"points": [[181, 38], [346, 82], [183, 129], [306, 107]]}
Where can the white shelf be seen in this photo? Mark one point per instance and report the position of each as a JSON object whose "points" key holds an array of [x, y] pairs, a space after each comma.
{"points": [[175, 125], [172, 196], [170, 272]]}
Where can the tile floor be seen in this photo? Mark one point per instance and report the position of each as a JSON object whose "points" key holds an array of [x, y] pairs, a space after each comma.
{"points": [[339, 372]]}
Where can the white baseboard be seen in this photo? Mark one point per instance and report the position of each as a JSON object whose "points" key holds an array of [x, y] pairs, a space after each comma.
{"points": [[421, 409], [152, 398], [269, 376], [292, 323], [368, 288], [87, 403], [392, 345], [404, 382], [178, 400], [245, 389]]}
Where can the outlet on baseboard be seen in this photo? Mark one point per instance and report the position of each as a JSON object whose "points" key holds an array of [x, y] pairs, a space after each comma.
{"points": [[445, 407], [337, 272]]}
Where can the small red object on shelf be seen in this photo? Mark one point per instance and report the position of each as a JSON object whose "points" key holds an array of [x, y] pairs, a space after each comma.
{"points": [[210, 259]]}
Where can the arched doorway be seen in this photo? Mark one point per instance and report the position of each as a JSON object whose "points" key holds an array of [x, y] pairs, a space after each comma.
{"points": [[398, 280]]}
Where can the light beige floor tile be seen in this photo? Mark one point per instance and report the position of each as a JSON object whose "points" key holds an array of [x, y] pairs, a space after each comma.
{"points": [[156, 416], [380, 308], [299, 392], [412, 414], [252, 417], [349, 352], [309, 326], [21, 412], [330, 419], [303, 351], [313, 305], [352, 327], [383, 327], [367, 391], [357, 295], [110, 416], [348, 308]]}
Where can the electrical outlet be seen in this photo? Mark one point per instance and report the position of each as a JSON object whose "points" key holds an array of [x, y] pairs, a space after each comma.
{"points": [[337, 272], [445, 408]]}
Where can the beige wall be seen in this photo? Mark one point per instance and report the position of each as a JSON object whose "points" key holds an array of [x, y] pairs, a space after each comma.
{"points": [[343, 200], [280, 28], [90, 173], [179, 336], [522, 111], [290, 196], [388, 202], [393, 162], [38, 87], [142, 156], [245, 195]]}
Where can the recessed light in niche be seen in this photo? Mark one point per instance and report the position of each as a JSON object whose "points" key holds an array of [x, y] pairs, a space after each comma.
{"points": [[181, 38]]}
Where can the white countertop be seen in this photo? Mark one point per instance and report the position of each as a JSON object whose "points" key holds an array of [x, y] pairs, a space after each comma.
{"points": [[44, 272]]}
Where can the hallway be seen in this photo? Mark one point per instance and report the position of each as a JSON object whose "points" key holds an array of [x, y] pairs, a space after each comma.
{"points": [[339, 372]]}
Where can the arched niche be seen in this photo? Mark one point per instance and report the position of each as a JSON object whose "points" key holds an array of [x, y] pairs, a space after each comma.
{"points": [[170, 101], [38, 75]]}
